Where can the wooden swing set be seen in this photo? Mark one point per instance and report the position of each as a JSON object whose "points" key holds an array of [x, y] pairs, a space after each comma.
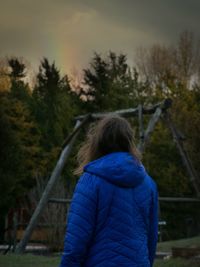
{"points": [[157, 111]]}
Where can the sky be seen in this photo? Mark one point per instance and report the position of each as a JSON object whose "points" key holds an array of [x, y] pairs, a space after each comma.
{"points": [[70, 31]]}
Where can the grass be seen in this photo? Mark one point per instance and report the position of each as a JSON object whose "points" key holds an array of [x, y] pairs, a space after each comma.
{"points": [[29, 260], [176, 263], [189, 242]]}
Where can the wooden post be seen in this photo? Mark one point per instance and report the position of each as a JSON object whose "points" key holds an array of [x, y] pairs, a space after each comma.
{"points": [[76, 129], [185, 158], [154, 119], [14, 234], [44, 199], [59, 200], [141, 126]]}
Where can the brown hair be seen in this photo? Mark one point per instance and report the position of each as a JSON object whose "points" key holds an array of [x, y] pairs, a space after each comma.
{"points": [[113, 133]]}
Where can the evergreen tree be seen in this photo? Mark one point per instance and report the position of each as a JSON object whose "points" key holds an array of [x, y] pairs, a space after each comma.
{"points": [[52, 105], [19, 89], [109, 84], [19, 151]]}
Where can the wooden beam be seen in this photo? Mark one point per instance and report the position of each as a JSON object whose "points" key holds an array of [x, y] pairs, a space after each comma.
{"points": [[154, 119], [179, 199], [59, 200], [186, 161], [162, 199], [141, 126], [140, 120], [83, 122], [44, 199], [131, 111]]}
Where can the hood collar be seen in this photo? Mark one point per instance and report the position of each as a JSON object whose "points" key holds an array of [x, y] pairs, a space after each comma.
{"points": [[119, 168]]}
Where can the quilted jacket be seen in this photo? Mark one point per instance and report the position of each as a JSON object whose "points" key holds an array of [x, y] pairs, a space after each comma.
{"points": [[113, 217]]}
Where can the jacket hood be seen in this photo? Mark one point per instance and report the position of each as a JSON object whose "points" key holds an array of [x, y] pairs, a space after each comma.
{"points": [[119, 168]]}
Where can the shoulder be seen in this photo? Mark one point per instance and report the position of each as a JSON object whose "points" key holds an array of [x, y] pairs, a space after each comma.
{"points": [[86, 190], [153, 184], [88, 181], [154, 189], [150, 185]]}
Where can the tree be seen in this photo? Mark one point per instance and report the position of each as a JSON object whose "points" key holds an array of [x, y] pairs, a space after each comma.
{"points": [[170, 70], [19, 89], [52, 106], [109, 84], [186, 57], [17, 68], [5, 83], [19, 156]]}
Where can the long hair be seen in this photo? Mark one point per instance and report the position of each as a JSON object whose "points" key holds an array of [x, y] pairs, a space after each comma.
{"points": [[113, 133]]}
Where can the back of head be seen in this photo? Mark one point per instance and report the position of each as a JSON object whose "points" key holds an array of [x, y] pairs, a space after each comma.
{"points": [[113, 133]]}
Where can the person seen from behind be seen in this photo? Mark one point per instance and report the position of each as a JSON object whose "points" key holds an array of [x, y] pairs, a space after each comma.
{"points": [[113, 217]]}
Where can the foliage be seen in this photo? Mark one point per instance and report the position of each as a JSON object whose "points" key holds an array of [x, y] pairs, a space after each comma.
{"points": [[109, 84], [19, 146], [52, 105], [19, 152]]}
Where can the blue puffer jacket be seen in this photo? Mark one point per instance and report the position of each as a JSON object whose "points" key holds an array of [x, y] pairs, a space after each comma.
{"points": [[113, 216]]}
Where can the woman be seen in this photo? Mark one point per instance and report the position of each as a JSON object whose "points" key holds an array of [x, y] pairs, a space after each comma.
{"points": [[113, 216]]}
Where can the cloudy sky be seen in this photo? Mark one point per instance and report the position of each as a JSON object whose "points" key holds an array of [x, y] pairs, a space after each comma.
{"points": [[69, 31]]}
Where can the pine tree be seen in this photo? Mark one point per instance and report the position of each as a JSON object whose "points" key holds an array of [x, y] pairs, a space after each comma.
{"points": [[19, 89], [19, 156], [52, 105], [110, 84]]}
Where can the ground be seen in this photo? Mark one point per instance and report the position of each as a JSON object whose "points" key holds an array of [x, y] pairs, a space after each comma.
{"points": [[41, 261], [188, 242], [28, 260]]}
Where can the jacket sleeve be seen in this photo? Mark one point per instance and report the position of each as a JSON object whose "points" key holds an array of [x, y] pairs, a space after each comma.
{"points": [[81, 222], [153, 226]]}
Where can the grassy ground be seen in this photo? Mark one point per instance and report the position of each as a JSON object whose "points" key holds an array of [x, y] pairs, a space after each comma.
{"points": [[176, 263], [189, 242], [29, 260], [41, 261]]}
